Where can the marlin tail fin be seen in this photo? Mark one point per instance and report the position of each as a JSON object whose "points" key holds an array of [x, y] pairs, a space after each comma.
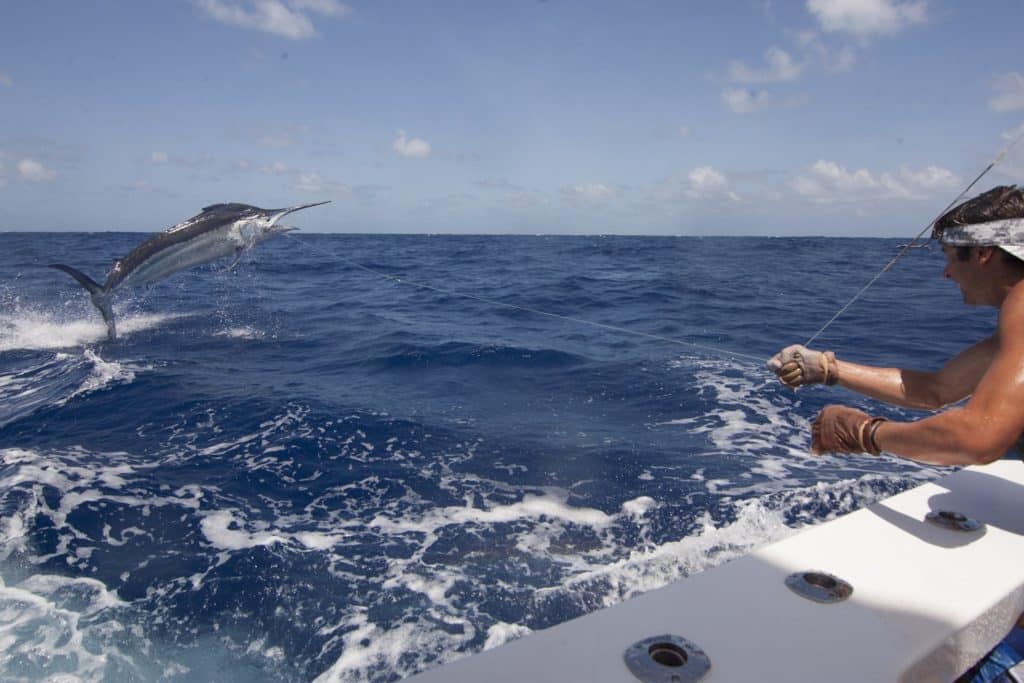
{"points": [[100, 297]]}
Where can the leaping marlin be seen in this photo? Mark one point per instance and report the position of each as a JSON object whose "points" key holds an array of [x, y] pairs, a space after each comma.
{"points": [[219, 230]]}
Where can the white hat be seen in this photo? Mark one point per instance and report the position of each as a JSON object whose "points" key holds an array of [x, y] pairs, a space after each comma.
{"points": [[1015, 249], [1007, 234]]}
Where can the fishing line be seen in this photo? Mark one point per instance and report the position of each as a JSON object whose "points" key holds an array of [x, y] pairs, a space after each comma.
{"points": [[517, 307], [910, 245]]}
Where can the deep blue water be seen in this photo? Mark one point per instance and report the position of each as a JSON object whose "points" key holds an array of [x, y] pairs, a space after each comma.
{"points": [[299, 469]]}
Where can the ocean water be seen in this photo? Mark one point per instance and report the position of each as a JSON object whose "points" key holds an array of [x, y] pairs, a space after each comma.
{"points": [[299, 470]]}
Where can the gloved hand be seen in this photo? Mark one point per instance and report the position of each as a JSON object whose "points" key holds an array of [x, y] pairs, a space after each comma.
{"points": [[839, 429], [797, 365]]}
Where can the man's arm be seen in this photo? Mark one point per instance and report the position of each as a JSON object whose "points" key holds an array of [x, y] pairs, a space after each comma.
{"points": [[980, 432], [955, 381], [797, 366]]}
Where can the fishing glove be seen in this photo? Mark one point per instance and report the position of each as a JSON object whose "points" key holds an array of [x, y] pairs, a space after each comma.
{"points": [[797, 365], [839, 429]]}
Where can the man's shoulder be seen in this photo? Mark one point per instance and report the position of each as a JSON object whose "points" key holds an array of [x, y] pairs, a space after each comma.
{"points": [[1016, 292], [1013, 305], [1011, 318]]}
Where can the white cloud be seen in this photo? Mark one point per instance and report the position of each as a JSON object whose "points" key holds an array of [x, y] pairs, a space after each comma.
{"points": [[834, 61], [828, 182], [5, 79], [780, 67], [411, 147], [330, 8], [864, 18], [310, 182], [526, 200], [498, 184], [843, 61], [928, 178], [276, 168], [288, 18], [1013, 163], [592, 193], [1008, 135], [279, 139], [314, 182], [160, 157], [744, 101], [1011, 92], [34, 172], [276, 141], [707, 183]]}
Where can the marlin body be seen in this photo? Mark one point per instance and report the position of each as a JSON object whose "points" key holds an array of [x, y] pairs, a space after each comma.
{"points": [[219, 230]]}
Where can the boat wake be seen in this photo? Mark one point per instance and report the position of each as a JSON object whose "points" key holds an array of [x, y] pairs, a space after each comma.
{"points": [[394, 544]]}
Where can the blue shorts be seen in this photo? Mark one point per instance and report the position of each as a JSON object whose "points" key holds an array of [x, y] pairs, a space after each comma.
{"points": [[996, 665]]}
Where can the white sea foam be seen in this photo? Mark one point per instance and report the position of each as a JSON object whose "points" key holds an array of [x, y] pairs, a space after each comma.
{"points": [[551, 506], [758, 522], [47, 614], [14, 529], [225, 529], [384, 535], [638, 507], [52, 329], [57, 380], [767, 500], [77, 485], [242, 332], [646, 569], [229, 530], [501, 633], [217, 527], [748, 417], [602, 573], [104, 373], [404, 649]]}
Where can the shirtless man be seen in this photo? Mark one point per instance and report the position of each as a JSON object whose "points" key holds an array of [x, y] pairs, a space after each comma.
{"points": [[983, 240]]}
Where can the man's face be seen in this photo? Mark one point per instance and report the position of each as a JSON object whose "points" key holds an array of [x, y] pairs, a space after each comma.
{"points": [[967, 274]]}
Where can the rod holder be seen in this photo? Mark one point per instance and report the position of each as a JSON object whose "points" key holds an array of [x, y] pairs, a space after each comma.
{"points": [[819, 586], [949, 519], [666, 659]]}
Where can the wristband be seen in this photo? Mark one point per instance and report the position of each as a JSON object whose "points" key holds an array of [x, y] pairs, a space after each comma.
{"points": [[875, 423], [861, 429], [830, 368]]}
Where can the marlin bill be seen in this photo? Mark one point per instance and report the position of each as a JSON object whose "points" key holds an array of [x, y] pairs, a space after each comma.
{"points": [[217, 231]]}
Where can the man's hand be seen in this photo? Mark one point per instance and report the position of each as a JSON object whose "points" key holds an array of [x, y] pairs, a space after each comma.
{"points": [[797, 365], [839, 429]]}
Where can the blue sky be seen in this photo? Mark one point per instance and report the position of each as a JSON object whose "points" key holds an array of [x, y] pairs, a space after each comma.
{"points": [[827, 117]]}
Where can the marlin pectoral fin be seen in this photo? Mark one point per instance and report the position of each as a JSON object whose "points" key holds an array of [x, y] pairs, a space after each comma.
{"points": [[81, 277], [238, 257]]}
